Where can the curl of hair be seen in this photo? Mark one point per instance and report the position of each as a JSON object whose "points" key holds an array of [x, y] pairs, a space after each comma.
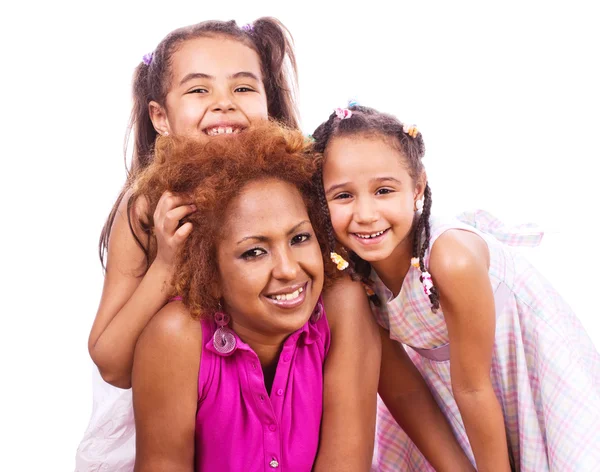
{"points": [[269, 38], [212, 175], [371, 123]]}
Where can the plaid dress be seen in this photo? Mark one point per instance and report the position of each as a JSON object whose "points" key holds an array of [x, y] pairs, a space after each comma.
{"points": [[545, 369]]}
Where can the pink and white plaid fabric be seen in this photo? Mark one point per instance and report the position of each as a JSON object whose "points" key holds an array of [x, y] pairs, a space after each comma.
{"points": [[545, 369]]}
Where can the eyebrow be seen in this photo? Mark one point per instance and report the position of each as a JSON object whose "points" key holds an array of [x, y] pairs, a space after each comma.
{"points": [[201, 75], [345, 184], [264, 238]]}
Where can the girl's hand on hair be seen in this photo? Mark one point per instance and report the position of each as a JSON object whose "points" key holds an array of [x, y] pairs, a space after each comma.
{"points": [[169, 231]]}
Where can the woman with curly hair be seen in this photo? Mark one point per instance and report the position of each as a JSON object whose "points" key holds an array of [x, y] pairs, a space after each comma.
{"points": [[239, 384]]}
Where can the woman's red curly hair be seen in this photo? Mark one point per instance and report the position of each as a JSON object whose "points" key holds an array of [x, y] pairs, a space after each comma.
{"points": [[212, 175]]}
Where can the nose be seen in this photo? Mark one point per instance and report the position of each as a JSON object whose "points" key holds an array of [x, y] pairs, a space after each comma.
{"points": [[285, 265], [223, 101], [365, 211]]}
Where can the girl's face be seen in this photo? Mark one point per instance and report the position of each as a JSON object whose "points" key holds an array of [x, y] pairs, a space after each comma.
{"points": [[216, 89], [370, 195], [270, 262]]}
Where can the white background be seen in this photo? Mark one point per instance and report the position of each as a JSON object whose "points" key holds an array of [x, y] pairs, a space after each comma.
{"points": [[505, 93]]}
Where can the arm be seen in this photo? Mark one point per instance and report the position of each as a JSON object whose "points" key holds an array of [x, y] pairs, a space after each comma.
{"points": [[459, 268], [410, 402], [167, 355], [350, 383], [129, 300]]}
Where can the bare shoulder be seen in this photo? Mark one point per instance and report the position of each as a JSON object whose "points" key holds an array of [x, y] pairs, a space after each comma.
{"points": [[459, 259], [139, 211], [345, 288], [457, 251], [172, 328], [346, 299]]}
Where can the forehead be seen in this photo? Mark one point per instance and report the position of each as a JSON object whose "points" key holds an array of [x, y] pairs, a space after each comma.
{"points": [[265, 206], [214, 55], [365, 155]]}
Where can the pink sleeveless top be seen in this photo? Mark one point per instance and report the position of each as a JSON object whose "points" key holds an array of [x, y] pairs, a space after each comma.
{"points": [[239, 427]]}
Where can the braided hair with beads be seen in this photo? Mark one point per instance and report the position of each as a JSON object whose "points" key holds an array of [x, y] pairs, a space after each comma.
{"points": [[409, 142]]}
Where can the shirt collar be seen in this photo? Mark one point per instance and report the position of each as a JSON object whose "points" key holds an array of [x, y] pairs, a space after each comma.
{"points": [[308, 334]]}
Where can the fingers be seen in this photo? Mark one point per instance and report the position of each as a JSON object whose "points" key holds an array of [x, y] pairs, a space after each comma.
{"points": [[182, 233], [169, 211], [174, 216], [167, 202]]}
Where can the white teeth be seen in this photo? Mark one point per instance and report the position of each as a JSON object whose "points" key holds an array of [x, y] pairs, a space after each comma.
{"points": [[369, 236], [288, 296], [222, 130]]}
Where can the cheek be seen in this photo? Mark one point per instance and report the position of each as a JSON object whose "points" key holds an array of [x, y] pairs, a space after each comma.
{"points": [[258, 111], [241, 284], [340, 218]]}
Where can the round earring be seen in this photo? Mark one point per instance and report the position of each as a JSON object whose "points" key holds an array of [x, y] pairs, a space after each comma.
{"points": [[419, 205], [166, 133], [223, 339]]}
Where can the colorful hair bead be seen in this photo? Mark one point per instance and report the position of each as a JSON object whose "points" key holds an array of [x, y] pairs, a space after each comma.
{"points": [[343, 113], [339, 261], [147, 58], [411, 130], [427, 282]]}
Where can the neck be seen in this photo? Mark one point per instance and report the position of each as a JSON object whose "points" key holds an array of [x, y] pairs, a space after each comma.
{"points": [[394, 268], [266, 347]]}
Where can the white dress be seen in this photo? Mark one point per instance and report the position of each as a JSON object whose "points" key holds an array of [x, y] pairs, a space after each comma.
{"points": [[109, 441]]}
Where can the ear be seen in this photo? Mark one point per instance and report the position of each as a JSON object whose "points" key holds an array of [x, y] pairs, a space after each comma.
{"points": [[420, 187], [158, 116]]}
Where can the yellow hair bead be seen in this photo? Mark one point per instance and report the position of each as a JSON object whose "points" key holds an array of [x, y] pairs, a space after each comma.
{"points": [[339, 261]]}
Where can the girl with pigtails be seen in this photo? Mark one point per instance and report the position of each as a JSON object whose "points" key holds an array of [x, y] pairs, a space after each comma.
{"points": [[211, 81], [511, 367]]}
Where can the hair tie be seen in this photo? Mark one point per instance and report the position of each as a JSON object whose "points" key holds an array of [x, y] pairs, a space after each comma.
{"points": [[352, 103], [339, 261], [411, 130], [147, 58], [248, 27], [343, 113]]}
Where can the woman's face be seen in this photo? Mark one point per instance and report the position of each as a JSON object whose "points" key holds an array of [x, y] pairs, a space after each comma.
{"points": [[216, 90], [270, 262]]}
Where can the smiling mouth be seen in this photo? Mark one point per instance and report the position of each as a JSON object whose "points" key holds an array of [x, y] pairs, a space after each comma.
{"points": [[371, 235], [220, 130], [290, 299], [287, 296]]}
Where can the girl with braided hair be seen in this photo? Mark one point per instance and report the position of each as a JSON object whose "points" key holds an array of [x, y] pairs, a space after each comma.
{"points": [[509, 364]]}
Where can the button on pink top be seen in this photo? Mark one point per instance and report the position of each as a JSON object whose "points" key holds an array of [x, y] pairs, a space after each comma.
{"points": [[239, 427]]}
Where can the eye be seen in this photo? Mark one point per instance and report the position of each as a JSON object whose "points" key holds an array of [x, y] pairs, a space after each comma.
{"points": [[300, 238], [198, 90], [253, 253], [342, 196], [244, 89], [384, 191]]}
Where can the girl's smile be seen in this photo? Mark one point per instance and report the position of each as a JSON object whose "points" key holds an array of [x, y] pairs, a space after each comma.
{"points": [[371, 196]]}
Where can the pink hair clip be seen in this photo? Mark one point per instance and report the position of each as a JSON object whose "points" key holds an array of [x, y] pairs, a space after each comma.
{"points": [[343, 113]]}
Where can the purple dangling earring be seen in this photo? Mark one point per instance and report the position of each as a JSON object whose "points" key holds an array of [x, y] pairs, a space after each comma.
{"points": [[223, 339], [318, 311]]}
